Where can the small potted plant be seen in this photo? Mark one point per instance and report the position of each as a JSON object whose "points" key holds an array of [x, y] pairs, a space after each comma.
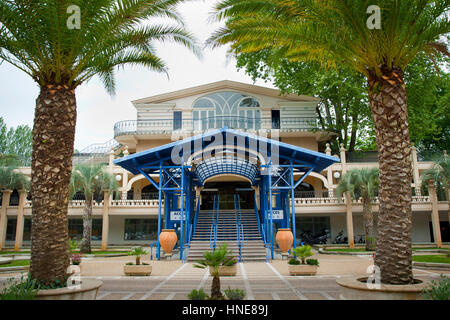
{"points": [[304, 266], [137, 269], [76, 259]]}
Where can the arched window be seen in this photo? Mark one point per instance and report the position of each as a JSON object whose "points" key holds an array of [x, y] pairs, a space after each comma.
{"points": [[232, 109]]}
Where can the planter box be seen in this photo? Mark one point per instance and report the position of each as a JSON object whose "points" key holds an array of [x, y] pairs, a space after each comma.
{"points": [[302, 270], [225, 271], [137, 270], [87, 290], [354, 289]]}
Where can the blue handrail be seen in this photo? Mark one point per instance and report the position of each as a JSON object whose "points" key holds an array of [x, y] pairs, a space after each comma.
{"points": [[257, 217], [197, 211], [217, 220], [242, 241]]}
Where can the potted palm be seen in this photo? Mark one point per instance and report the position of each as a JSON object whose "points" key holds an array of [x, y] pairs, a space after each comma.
{"points": [[137, 269], [304, 266], [220, 262]]}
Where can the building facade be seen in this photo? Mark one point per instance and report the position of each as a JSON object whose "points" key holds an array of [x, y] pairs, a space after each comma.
{"points": [[256, 114]]}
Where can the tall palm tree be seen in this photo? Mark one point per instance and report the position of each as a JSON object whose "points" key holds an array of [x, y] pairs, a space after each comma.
{"points": [[439, 175], [362, 182], [90, 180], [342, 32], [62, 44]]}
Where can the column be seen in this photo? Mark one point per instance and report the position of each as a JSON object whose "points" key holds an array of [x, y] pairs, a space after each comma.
{"points": [[343, 159], [20, 220], [435, 215], [349, 218], [6, 196], [125, 177], [105, 219], [329, 173], [415, 168]]}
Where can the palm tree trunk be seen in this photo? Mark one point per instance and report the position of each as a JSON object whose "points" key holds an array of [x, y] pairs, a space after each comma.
{"points": [[87, 226], [387, 95], [53, 140], [215, 288], [369, 231]]}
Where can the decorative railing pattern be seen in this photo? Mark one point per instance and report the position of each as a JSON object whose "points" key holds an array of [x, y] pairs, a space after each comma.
{"points": [[167, 126]]}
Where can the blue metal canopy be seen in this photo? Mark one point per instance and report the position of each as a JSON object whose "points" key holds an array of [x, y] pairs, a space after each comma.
{"points": [[163, 155]]}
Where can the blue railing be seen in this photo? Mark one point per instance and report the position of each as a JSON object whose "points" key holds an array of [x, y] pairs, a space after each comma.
{"points": [[197, 211], [239, 228], [257, 217], [213, 231]]}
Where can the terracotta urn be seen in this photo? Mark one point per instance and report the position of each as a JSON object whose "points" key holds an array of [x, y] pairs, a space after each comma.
{"points": [[285, 239], [168, 238]]}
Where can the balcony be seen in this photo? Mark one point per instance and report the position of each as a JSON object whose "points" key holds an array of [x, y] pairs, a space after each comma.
{"points": [[167, 126]]}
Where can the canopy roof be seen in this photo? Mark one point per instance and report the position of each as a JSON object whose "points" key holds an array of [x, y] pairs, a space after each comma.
{"points": [[266, 149]]}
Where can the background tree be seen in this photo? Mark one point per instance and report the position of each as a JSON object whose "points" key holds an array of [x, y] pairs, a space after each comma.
{"points": [[16, 141], [362, 183], [90, 180], [335, 33], [61, 51]]}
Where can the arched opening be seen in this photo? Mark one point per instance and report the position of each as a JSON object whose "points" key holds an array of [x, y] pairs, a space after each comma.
{"points": [[227, 186]]}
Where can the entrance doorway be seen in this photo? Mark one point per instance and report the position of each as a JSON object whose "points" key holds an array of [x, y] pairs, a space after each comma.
{"points": [[226, 192]]}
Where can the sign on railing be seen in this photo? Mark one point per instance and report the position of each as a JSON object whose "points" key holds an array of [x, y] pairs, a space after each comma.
{"points": [[176, 215]]}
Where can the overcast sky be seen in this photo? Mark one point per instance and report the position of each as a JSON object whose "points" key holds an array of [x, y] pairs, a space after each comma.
{"points": [[97, 111]]}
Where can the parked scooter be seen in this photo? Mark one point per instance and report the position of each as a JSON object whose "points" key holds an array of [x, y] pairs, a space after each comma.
{"points": [[340, 238]]}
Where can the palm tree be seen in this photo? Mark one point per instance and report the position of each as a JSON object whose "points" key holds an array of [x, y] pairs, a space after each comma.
{"points": [[362, 182], [214, 259], [439, 175], [62, 44], [90, 180], [341, 32], [11, 179]]}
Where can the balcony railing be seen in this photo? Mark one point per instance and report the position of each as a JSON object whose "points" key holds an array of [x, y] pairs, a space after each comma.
{"points": [[161, 126]]}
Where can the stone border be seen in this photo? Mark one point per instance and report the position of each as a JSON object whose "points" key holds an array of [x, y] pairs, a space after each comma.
{"points": [[14, 269], [87, 291], [352, 288], [5, 260], [104, 255], [363, 253], [432, 265]]}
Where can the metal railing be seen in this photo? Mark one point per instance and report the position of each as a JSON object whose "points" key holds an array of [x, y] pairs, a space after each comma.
{"points": [[239, 227], [257, 217], [197, 211], [213, 231], [159, 126]]}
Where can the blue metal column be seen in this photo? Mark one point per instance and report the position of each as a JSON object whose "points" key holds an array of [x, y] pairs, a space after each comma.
{"points": [[293, 204], [271, 209], [182, 212], [158, 251]]}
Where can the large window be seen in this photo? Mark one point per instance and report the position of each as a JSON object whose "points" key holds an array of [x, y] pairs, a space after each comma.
{"points": [[141, 229], [177, 124], [232, 109], [313, 226], [11, 229], [76, 229]]}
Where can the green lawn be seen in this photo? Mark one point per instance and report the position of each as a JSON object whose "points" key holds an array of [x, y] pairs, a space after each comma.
{"points": [[436, 258], [16, 263], [418, 249], [347, 249], [15, 252]]}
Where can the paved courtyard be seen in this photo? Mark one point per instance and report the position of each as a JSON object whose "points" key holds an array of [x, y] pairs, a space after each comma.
{"points": [[173, 280]]}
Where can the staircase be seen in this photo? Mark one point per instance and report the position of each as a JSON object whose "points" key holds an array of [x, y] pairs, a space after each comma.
{"points": [[252, 245]]}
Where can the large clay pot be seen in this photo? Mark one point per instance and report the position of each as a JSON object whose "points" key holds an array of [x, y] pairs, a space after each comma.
{"points": [[285, 239], [168, 238]]}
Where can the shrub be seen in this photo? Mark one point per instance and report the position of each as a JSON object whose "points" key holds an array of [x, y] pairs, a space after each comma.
{"points": [[76, 259], [197, 295], [229, 261], [138, 252], [294, 261], [438, 290], [303, 252], [312, 262], [234, 294], [24, 289]]}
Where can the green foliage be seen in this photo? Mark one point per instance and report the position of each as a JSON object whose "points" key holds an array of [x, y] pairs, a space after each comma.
{"points": [[216, 258], [438, 175], [73, 245], [294, 261], [91, 179], [36, 39], [17, 143], [197, 295], [363, 182], [234, 294], [303, 252], [11, 179], [312, 262], [438, 290], [137, 252], [23, 289]]}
